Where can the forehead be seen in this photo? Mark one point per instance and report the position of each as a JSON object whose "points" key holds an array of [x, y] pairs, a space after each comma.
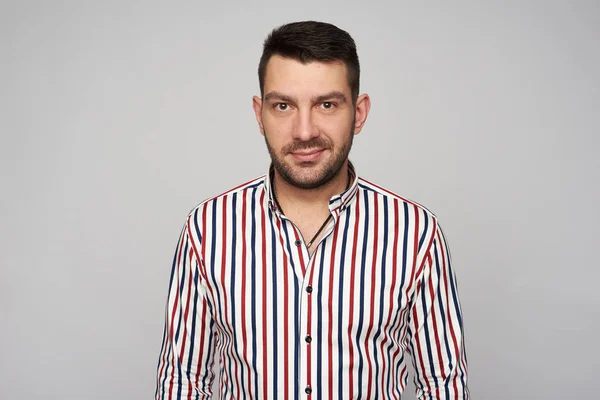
{"points": [[288, 75]]}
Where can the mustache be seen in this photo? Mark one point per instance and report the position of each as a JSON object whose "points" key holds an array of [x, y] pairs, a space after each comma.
{"points": [[314, 143]]}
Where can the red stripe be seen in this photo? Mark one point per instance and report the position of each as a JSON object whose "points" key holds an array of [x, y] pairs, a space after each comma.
{"points": [[330, 314], [243, 310], [308, 332], [403, 376], [224, 274], [185, 318], [309, 323], [286, 305], [265, 375], [201, 344], [391, 299], [440, 360], [187, 306], [415, 249], [351, 305], [411, 281], [203, 249], [372, 282], [300, 253], [418, 342]]}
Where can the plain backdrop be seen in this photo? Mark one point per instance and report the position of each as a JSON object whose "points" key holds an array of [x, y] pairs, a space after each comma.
{"points": [[118, 117]]}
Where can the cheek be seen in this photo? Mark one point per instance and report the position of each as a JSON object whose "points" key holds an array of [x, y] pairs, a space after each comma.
{"points": [[277, 128], [336, 126]]}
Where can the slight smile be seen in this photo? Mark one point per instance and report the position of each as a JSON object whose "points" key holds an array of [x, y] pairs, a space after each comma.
{"points": [[308, 155]]}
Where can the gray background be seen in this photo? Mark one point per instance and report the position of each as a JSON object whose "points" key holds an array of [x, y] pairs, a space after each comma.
{"points": [[117, 117]]}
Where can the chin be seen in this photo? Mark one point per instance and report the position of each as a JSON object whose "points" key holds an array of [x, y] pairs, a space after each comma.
{"points": [[309, 180]]}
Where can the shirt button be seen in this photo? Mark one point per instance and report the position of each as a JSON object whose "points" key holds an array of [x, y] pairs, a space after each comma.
{"points": [[307, 390], [308, 339], [309, 289], [297, 243]]}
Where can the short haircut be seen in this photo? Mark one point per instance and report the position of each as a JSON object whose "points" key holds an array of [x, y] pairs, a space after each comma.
{"points": [[310, 41]]}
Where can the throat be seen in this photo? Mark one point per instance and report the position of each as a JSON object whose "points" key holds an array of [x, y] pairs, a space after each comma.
{"points": [[311, 215], [313, 230]]}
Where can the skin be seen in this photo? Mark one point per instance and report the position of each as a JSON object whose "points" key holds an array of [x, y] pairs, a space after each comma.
{"points": [[308, 120]]}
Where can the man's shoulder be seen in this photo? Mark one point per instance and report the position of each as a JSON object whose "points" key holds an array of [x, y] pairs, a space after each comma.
{"points": [[253, 184], [392, 196]]}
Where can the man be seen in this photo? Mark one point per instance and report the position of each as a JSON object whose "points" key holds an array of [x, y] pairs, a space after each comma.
{"points": [[310, 282]]}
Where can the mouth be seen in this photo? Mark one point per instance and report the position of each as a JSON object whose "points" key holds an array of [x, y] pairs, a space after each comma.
{"points": [[307, 155]]}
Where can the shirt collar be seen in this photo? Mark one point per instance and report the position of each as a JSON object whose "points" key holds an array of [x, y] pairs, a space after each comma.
{"points": [[340, 201]]}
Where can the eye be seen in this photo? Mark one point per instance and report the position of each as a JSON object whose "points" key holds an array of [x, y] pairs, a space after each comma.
{"points": [[327, 105], [281, 106]]}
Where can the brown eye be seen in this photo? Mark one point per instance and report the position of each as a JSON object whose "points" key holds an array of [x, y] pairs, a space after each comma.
{"points": [[327, 105], [282, 106]]}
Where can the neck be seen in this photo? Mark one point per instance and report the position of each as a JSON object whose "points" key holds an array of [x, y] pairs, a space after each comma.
{"points": [[297, 200]]}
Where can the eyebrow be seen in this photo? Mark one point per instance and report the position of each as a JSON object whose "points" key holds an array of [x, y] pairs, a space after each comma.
{"points": [[335, 95], [279, 96]]}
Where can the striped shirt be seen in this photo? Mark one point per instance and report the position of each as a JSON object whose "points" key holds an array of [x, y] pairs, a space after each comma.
{"points": [[340, 324]]}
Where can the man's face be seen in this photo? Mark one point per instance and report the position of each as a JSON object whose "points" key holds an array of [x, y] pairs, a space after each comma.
{"points": [[308, 119]]}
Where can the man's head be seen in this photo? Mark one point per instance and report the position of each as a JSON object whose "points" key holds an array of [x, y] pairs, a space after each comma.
{"points": [[312, 41], [310, 109]]}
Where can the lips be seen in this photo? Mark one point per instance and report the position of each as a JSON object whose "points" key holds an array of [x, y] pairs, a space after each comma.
{"points": [[307, 155]]}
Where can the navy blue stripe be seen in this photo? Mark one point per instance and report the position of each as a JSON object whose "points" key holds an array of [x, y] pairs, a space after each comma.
{"points": [[426, 315], [234, 310], [181, 288], [381, 294], [295, 307], [192, 346], [361, 308], [341, 302], [213, 245], [415, 354], [253, 186], [400, 306], [320, 307], [207, 364], [297, 342], [441, 304], [275, 298], [424, 234], [253, 288]]}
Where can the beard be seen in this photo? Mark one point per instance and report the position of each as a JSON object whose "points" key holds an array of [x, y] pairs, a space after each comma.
{"points": [[306, 175]]}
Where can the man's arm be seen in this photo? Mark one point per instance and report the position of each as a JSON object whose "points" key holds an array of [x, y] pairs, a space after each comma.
{"points": [[187, 353], [436, 329]]}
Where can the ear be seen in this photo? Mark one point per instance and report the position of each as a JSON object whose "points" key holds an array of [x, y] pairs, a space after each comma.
{"points": [[363, 105], [257, 106]]}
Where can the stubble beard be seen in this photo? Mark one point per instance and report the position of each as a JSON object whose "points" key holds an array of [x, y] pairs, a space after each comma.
{"points": [[324, 175]]}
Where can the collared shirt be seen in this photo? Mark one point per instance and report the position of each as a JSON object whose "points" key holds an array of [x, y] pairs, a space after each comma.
{"points": [[378, 291]]}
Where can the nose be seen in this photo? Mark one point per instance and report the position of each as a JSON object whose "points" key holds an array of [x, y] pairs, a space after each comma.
{"points": [[304, 127]]}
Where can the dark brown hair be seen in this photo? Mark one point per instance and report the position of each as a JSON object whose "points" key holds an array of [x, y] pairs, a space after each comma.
{"points": [[309, 41]]}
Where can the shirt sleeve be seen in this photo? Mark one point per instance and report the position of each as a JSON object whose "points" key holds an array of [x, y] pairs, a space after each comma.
{"points": [[436, 328], [185, 365]]}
